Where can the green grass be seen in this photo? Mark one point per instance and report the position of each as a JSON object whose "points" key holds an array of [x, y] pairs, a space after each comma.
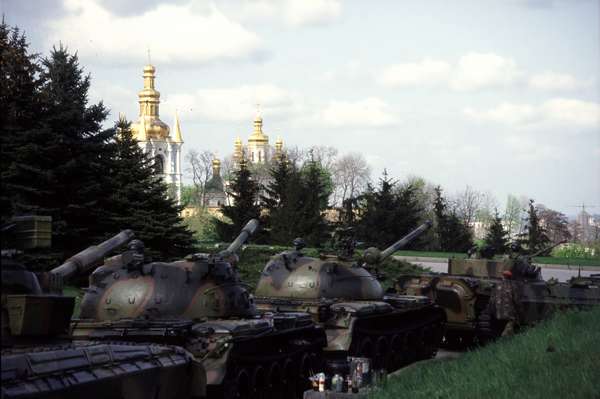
{"points": [[538, 259], [254, 258], [516, 367]]}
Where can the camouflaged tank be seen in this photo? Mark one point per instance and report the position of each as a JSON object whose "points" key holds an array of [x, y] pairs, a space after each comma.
{"points": [[201, 305], [345, 298], [471, 290], [39, 358]]}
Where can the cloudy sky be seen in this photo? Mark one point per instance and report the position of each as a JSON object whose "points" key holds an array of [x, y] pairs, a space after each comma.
{"points": [[503, 96]]}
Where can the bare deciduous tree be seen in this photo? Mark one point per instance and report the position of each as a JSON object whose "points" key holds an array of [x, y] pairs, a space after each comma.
{"points": [[200, 168], [351, 173], [467, 203], [555, 223]]}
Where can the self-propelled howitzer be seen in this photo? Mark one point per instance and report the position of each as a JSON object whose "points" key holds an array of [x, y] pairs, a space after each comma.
{"points": [[200, 304], [349, 302]]}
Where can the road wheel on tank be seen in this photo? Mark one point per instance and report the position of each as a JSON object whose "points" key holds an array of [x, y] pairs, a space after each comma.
{"points": [[305, 371], [382, 354], [274, 381], [411, 345], [236, 387], [397, 352], [429, 345], [366, 348], [289, 379], [258, 383]]}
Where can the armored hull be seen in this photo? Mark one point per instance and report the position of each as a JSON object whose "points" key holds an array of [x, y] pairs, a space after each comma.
{"points": [[467, 295], [39, 359], [348, 301], [200, 305]]}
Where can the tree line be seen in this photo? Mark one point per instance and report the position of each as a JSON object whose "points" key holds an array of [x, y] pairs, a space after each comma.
{"points": [[58, 160]]}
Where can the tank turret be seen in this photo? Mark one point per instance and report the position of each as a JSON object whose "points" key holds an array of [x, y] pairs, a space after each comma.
{"points": [[348, 301], [293, 275], [197, 287], [200, 304]]}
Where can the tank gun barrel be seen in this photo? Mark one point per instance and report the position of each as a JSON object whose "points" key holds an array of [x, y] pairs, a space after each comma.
{"points": [[249, 229], [90, 256], [404, 241], [372, 255], [541, 251]]}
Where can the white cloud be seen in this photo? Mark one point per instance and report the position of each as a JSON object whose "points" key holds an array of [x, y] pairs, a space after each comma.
{"points": [[189, 33], [372, 112], [237, 104], [557, 112], [424, 73], [311, 12], [472, 71], [292, 13], [556, 81], [481, 70]]}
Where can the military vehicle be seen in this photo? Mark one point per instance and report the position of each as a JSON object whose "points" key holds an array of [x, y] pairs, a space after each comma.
{"points": [[345, 298], [38, 358], [465, 291], [200, 304]]}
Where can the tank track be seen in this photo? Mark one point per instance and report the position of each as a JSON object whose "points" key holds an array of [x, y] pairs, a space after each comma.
{"points": [[97, 370], [271, 366], [397, 339], [257, 361]]}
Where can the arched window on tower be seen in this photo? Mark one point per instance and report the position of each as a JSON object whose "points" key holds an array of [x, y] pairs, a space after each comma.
{"points": [[159, 165]]}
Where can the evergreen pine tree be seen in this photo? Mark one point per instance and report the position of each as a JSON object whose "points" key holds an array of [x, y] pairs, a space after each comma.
{"points": [[136, 198], [282, 199], [496, 237], [56, 163], [244, 191], [388, 213], [378, 208], [452, 234], [20, 105], [313, 202], [534, 237]]}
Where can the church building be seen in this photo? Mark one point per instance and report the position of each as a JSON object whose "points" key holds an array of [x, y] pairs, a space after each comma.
{"points": [[156, 138], [258, 150]]}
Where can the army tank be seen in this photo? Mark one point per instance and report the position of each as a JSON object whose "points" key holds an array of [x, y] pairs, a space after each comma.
{"points": [[345, 297], [40, 360], [468, 290], [200, 304]]}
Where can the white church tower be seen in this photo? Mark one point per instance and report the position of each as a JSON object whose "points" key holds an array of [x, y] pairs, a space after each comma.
{"points": [[155, 137]]}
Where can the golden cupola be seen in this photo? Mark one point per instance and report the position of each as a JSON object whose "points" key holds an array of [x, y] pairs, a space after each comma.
{"points": [[257, 136], [278, 148], [150, 126], [238, 149]]}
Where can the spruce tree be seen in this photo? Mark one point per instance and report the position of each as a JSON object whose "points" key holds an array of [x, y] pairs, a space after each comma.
{"points": [[496, 237], [314, 201], [453, 235], [244, 192], [283, 202], [56, 162], [534, 237], [388, 213], [136, 198], [20, 105]]}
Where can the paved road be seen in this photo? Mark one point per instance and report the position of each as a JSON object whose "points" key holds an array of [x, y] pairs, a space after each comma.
{"points": [[561, 274]]}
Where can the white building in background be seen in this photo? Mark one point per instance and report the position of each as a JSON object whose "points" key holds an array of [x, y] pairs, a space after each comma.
{"points": [[155, 137]]}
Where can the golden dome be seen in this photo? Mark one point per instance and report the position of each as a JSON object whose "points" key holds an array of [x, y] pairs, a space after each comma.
{"points": [[257, 135], [150, 126]]}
